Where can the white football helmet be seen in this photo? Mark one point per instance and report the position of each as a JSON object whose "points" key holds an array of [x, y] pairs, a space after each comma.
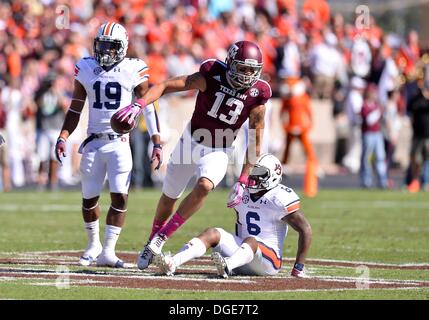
{"points": [[265, 174], [110, 44]]}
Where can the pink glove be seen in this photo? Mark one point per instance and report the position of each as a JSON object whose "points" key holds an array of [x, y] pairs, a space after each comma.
{"points": [[298, 271], [131, 112], [156, 156], [236, 194], [60, 149]]}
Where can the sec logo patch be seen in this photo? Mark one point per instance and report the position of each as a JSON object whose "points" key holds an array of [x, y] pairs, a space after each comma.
{"points": [[245, 199], [254, 92], [98, 70]]}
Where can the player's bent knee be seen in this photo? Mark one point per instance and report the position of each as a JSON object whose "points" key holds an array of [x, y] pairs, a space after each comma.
{"points": [[252, 242], [203, 187], [210, 236]]}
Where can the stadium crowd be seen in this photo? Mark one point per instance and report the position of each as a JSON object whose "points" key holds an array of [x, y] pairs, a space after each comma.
{"points": [[326, 53]]}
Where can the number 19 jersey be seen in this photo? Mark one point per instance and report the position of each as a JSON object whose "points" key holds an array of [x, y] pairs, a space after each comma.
{"points": [[262, 218], [109, 90]]}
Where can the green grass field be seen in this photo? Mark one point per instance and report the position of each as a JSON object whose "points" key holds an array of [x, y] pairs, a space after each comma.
{"points": [[389, 227]]}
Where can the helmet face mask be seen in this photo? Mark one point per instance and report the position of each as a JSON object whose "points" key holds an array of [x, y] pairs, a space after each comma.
{"points": [[244, 64], [244, 75], [258, 179], [110, 44], [107, 51], [265, 174]]}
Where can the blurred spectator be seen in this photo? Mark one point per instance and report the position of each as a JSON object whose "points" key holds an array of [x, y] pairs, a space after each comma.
{"points": [[361, 58], [4, 158], [325, 63], [353, 108], [372, 140], [13, 101], [297, 122], [419, 112], [389, 80], [288, 57], [391, 126], [50, 115], [341, 122]]}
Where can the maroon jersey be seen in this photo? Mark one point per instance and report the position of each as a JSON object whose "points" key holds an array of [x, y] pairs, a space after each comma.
{"points": [[371, 117], [221, 110]]}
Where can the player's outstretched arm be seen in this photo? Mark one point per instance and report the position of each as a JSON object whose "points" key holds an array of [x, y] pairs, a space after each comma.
{"points": [[71, 120], [300, 224], [177, 84], [182, 83]]}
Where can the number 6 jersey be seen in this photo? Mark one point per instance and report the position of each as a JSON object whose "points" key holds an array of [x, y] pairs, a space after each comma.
{"points": [[109, 90], [262, 218]]}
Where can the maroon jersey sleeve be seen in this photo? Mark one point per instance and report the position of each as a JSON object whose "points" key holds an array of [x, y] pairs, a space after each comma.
{"points": [[208, 67], [265, 92]]}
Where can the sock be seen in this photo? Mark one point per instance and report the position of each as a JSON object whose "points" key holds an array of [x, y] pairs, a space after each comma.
{"points": [[93, 231], [193, 249], [175, 222], [242, 256], [110, 238], [156, 226]]}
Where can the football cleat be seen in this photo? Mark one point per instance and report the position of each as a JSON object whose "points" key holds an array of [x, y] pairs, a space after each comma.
{"points": [[113, 261], [90, 255], [166, 264], [145, 258], [298, 271], [220, 263], [157, 243]]}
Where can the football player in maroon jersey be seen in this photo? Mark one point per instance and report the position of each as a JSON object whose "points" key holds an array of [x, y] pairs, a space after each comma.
{"points": [[229, 94]]}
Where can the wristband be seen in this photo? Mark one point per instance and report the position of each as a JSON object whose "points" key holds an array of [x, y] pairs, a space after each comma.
{"points": [[244, 178], [61, 139], [157, 145], [141, 103]]}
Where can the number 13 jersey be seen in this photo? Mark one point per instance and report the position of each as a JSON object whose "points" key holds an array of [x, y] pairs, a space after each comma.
{"points": [[109, 90], [262, 218], [221, 107]]}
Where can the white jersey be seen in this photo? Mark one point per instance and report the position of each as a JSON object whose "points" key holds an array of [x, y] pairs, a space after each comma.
{"points": [[262, 218], [109, 90]]}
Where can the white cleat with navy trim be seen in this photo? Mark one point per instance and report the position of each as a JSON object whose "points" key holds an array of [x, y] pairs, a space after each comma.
{"points": [[90, 255]]}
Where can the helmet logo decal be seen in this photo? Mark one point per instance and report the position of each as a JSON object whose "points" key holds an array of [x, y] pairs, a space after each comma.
{"points": [[233, 51], [278, 169]]}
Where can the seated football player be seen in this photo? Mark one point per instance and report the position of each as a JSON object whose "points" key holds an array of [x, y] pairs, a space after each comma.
{"points": [[263, 217]]}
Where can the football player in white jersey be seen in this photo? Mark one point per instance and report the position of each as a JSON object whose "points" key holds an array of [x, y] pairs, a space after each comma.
{"points": [[109, 80], [263, 216]]}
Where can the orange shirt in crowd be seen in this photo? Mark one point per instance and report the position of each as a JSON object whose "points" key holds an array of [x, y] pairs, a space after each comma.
{"points": [[319, 8], [157, 68], [298, 109], [14, 64]]}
